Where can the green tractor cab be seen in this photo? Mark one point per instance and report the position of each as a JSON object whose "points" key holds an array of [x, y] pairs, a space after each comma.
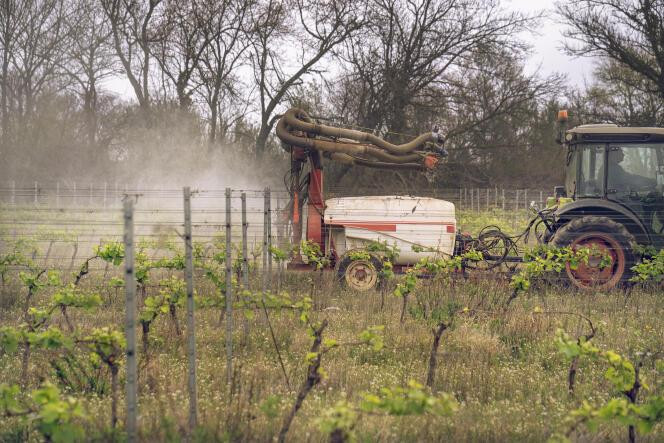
{"points": [[613, 199]]}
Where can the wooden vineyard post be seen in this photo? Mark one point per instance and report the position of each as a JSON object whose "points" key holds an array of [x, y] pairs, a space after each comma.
{"points": [[191, 326], [265, 239], [130, 322], [516, 201], [229, 291], [245, 259], [269, 235]]}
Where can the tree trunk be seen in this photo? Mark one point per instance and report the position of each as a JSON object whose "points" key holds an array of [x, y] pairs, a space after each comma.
{"points": [[24, 364], [313, 378], [5, 101], [174, 319], [214, 116], [90, 107], [261, 140], [145, 326], [404, 304], [114, 395], [433, 360]]}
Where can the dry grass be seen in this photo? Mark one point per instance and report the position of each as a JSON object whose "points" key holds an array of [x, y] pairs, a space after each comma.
{"points": [[500, 364]]}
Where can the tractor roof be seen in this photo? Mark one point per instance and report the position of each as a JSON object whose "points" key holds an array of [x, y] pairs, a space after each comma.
{"points": [[614, 132]]}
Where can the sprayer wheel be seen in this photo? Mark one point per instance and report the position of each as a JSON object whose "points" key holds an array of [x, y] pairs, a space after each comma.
{"points": [[358, 274]]}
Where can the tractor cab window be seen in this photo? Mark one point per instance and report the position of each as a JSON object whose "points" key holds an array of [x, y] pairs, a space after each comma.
{"points": [[633, 169], [635, 177], [591, 171]]}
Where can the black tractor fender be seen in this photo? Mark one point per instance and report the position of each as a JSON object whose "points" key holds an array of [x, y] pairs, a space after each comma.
{"points": [[605, 208]]}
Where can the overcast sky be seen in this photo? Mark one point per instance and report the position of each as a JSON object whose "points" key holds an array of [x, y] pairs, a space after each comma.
{"points": [[547, 54]]}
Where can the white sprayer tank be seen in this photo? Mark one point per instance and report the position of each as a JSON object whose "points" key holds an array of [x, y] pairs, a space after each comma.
{"points": [[422, 222]]}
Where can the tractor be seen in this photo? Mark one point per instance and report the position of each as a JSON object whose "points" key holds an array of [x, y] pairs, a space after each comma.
{"points": [[612, 201]]}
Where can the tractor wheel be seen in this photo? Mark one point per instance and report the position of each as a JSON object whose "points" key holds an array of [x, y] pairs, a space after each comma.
{"points": [[359, 274], [606, 236]]}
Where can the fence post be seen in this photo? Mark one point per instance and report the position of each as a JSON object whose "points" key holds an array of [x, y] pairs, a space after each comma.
{"points": [[57, 194], [74, 194], [245, 259], [487, 199], [516, 201], [465, 198], [191, 329], [105, 193], [265, 237], [503, 199], [130, 321], [460, 197], [525, 199], [541, 202], [90, 196], [36, 191], [496, 197], [229, 292], [13, 193], [116, 195], [269, 235], [479, 203], [472, 198]]}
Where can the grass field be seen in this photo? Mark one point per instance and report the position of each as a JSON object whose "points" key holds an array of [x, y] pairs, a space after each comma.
{"points": [[500, 363]]}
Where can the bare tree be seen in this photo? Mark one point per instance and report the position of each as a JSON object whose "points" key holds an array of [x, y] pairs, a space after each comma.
{"points": [[311, 29], [38, 54], [409, 47], [630, 32], [132, 23], [491, 111], [224, 24], [12, 25], [90, 59], [619, 95], [181, 43]]}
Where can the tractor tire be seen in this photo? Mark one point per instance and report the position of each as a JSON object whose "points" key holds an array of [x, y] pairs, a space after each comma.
{"points": [[609, 237], [359, 274]]}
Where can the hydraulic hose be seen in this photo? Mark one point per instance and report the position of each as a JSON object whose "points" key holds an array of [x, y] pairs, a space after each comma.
{"points": [[350, 160], [298, 119], [340, 147], [296, 129]]}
